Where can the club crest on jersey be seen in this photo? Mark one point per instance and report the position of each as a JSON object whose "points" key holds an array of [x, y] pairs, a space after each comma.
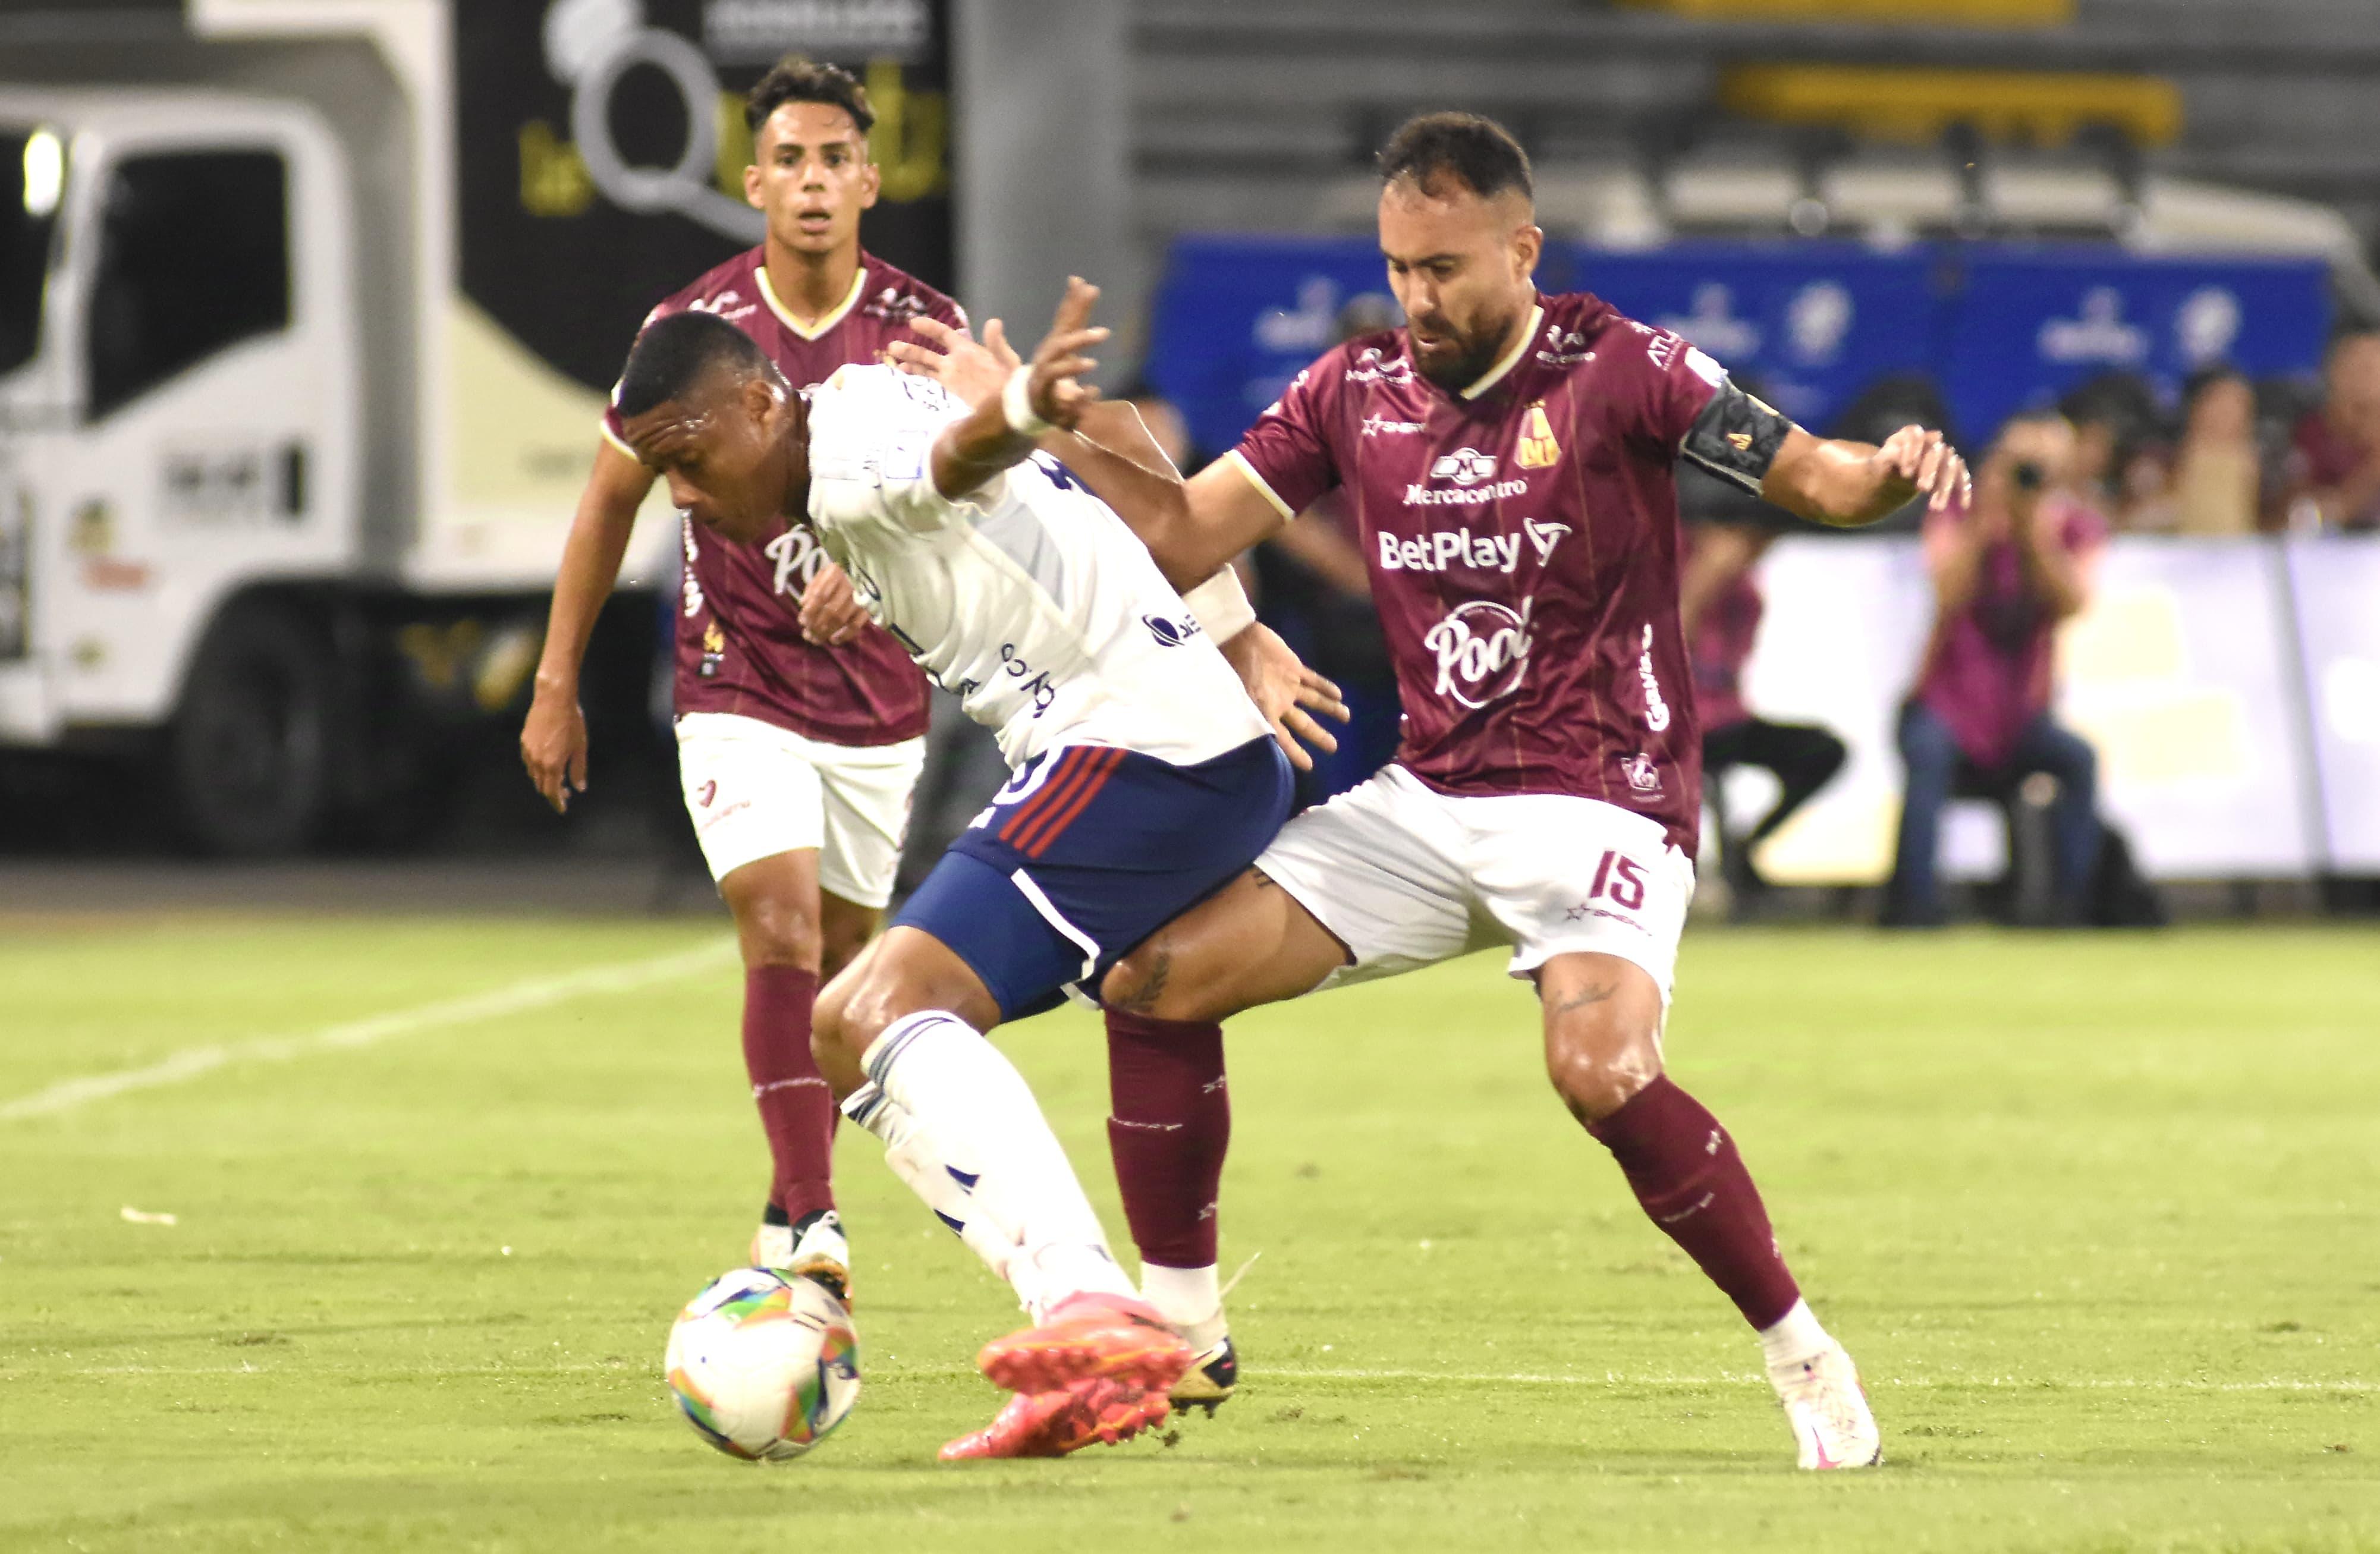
{"points": [[1536, 448], [1483, 651]]}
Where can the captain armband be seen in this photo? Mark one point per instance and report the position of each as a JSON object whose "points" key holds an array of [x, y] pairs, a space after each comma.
{"points": [[1737, 437], [1220, 606]]}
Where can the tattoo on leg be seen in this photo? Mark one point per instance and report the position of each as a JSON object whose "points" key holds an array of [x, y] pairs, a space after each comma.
{"points": [[1263, 881], [1142, 998], [1594, 992]]}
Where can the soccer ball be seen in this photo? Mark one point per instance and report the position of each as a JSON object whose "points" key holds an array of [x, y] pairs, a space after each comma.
{"points": [[763, 1365]]}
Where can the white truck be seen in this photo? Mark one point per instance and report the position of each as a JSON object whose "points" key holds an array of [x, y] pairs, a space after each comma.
{"points": [[306, 310]]}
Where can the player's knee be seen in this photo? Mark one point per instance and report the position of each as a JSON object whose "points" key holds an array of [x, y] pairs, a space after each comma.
{"points": [[1598, 1068], [774, 930], [1143, 983], [837, 1042]]}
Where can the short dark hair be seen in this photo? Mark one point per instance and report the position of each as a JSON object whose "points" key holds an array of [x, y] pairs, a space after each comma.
{"points": [[796, 78], [671, 355], [1478, 152]]}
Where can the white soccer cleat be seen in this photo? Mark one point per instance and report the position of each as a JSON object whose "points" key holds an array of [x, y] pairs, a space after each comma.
{"points": [[814, 1249], [1828, 1409]]}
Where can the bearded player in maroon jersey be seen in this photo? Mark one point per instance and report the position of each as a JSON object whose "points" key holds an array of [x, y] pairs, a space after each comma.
{"points": [[1508, 458], [800, 728]]}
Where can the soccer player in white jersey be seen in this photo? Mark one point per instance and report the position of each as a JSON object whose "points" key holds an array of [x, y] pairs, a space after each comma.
{"points": [[1145, 779], [1507, 457]]}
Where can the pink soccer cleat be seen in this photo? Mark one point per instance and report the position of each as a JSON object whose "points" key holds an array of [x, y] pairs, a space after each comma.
{"points": [[1052, 1424], [1092, 1334]]}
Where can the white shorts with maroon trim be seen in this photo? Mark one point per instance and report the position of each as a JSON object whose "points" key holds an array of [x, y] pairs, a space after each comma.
{"points": [[1407, 877], [755, 790]]}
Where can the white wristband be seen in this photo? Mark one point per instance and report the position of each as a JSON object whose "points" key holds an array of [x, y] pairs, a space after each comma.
{"points": [[1017, 404], [1220, 606]]}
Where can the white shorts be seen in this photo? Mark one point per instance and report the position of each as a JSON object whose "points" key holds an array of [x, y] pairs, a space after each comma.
{"points": [[1407, 877], [755, 790]]}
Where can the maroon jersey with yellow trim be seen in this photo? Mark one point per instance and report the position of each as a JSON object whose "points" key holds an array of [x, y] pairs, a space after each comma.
{"points": [[1522, 537], [739, 640]]}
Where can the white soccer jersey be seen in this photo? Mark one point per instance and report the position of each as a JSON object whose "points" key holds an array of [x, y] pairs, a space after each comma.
{"points": [[1028, 598]]}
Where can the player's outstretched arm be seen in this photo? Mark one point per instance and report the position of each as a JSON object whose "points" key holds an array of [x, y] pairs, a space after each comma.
{"points": [[1193, 531], [1045, 392], [1849, 484], [553, 737]]}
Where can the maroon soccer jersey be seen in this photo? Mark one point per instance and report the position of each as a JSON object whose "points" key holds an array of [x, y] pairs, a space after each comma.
{"points": [[1522, 538], [739, 638]]}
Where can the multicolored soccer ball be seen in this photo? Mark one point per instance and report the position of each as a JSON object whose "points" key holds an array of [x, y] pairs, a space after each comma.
{"points": [[763, 1365]]}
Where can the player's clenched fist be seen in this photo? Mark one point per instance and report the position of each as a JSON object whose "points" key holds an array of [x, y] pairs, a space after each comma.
{"points": [[1931, 466]]}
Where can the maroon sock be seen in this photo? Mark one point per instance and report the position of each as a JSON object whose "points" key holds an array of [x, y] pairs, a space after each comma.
{"points": [[1170, 1129], [1687, 1175], [796, 1110]]}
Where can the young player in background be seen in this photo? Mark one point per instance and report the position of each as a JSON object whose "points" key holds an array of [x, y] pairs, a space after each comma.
{"points": [[1509, 456], [800, 728], [1145, 779]]}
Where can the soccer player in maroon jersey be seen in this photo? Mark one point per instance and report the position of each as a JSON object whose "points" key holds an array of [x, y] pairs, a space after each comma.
{"points": [[800, 728], [1508, 460]]}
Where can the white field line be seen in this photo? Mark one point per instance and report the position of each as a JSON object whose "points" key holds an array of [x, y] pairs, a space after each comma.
{"points": [[538, 992], [1522, 1378], [1943, 1383]]}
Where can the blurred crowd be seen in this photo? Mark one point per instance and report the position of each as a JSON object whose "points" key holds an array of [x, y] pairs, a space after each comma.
{"points": [[2233, 456]]}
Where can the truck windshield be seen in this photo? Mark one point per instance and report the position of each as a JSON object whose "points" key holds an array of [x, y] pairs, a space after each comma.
{"points": [[32, 181]]}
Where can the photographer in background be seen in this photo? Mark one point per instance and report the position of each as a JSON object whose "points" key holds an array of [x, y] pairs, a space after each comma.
{"points": [[2006, 570]]}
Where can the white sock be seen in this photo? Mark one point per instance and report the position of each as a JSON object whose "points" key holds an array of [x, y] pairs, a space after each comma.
{"points": [[1793, 1337], [974, 1110], [927, 1175], [1187, 1297]]}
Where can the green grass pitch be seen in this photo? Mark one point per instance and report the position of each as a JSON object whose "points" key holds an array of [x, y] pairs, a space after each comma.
{"points": [[2099, 1216]]}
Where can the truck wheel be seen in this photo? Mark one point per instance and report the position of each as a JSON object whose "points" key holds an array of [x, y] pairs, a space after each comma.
{"points": [[249, 750]]}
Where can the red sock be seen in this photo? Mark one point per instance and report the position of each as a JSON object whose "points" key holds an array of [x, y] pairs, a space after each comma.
{"points": [[796, 1110], [1687, 1175], [1168, 1131]]}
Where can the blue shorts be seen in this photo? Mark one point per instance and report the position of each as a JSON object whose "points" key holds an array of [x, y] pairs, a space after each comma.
{"points": [[1088, 850]]}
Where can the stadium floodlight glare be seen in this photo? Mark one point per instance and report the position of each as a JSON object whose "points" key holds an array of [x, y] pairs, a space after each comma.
{"points": [[45, 172]]}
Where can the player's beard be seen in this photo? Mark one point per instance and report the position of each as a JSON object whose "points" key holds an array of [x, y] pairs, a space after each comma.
{"points": [[1478, 353]]}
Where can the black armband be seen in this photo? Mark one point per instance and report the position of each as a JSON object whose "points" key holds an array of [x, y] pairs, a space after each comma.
{"points": [[1736, 438]]}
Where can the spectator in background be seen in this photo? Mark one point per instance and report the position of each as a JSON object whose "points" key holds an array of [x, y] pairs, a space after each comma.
{"points": [[2119, 433], [2006, 571], [2216, 485], [1720, 606], [2335, 466]]}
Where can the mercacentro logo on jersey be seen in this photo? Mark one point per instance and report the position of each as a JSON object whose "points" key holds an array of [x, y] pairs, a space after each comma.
{"points": [[1474, 474]]}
